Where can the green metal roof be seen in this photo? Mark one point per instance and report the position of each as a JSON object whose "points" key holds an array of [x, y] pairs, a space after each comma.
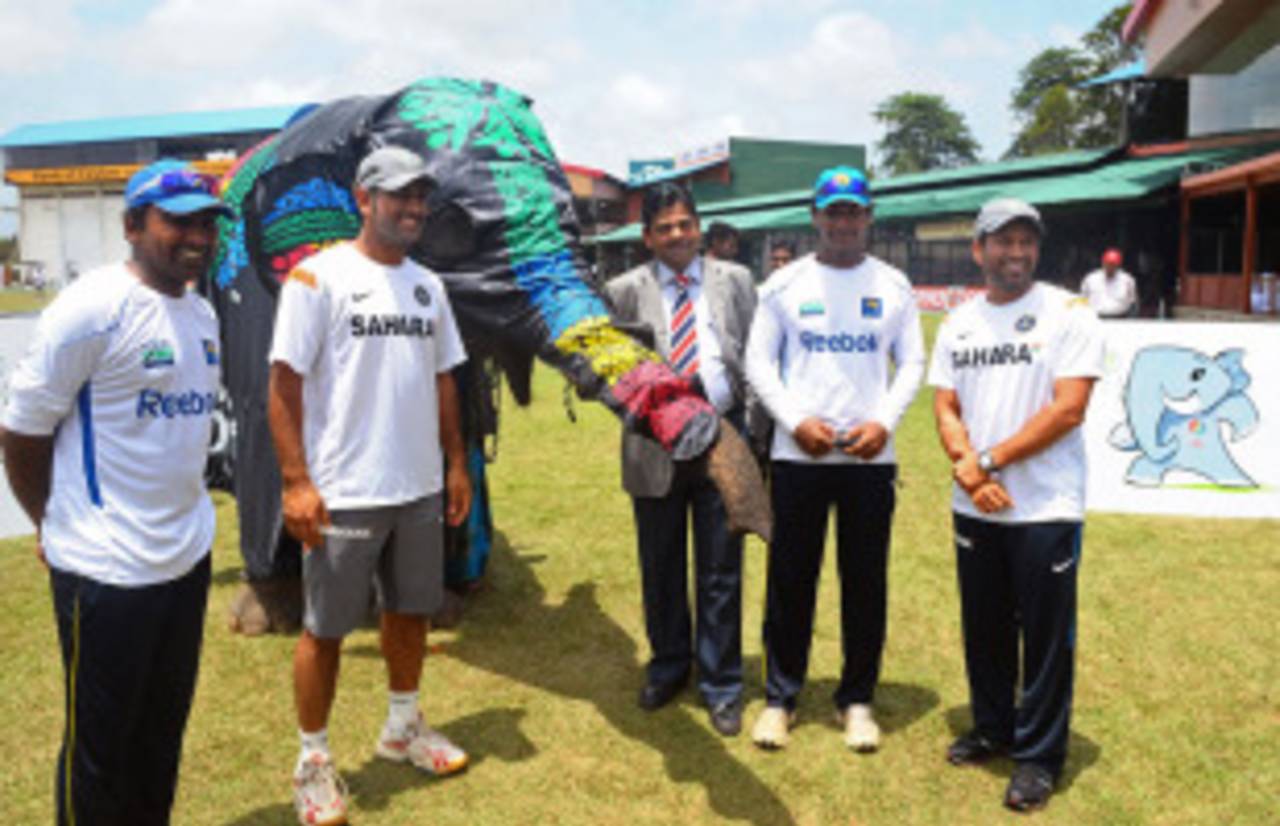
{"points": [[1019, 167], [1125, 179]]}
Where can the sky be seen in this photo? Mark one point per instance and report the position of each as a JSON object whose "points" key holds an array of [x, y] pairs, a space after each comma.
{"points": [[612, 80]]}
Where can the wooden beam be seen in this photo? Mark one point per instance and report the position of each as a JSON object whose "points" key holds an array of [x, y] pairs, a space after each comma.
{"points": [[1184, 248], [1250, 258]]}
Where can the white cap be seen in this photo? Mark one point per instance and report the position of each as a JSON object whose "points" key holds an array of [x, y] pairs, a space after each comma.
{"points": [[391, 168], [999, 212]]}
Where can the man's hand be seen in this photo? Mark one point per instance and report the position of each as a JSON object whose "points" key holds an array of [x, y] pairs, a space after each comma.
{"points": [[864, 440], [305, 513], [990, 497], [967, 473], [457, 494], [815, 437], [40, 551]]}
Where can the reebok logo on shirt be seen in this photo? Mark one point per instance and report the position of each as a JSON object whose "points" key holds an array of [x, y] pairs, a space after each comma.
{"points": [[391, 325], [157, 405], [839, 342], [996, 355]]}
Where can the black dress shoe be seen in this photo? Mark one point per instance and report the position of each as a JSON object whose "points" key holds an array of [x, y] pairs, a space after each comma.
{"points": [[656, 695], [972, 747], [1029, 788], [726, 717]]}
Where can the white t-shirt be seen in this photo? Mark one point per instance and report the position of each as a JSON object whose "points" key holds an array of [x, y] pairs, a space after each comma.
{"points": [[1109, 296], [126, 378], [1002, 361], [369, 341], [842, 345]]}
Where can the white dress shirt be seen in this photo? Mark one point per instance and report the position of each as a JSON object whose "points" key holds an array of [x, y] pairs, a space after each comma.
{"points": [[711, 369]]}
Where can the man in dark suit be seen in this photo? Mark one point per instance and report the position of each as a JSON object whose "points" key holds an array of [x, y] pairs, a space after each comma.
{"points": [[699, 310]]}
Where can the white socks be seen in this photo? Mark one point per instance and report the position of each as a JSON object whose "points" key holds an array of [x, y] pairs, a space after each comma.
{"points": [[402, 713], [312, 742], [402, 710]]}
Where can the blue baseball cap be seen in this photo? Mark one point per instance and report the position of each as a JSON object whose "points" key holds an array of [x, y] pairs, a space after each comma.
{"points": [[175, 187], [841, 183]]}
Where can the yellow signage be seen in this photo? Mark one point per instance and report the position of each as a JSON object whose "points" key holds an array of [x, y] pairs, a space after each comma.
{"points": [[103, 174], [955, 230]]}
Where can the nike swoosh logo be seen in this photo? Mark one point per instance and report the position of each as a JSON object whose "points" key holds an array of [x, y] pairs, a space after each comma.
{"points": [[1059, 567], [963, 542], [361, 296]]}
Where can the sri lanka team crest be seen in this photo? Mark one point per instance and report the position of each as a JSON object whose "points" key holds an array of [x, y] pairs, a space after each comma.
{"points": [[872, 307], [210, 352], [157, 353]]}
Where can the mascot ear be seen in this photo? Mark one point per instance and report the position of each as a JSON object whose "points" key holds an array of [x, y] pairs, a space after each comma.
{"points": [[1144, 398], [1231, 363]]}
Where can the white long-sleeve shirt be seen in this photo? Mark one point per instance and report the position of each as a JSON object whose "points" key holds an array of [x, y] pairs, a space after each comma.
{"points": [[841, 345]]}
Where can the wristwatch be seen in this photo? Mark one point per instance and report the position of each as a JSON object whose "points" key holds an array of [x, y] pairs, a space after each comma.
{"points": [[987, 462]]}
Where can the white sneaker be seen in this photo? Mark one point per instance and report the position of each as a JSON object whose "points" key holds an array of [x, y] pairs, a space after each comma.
{"points": [[319, 793], [773, 728], [861, 733], [424, 747]]}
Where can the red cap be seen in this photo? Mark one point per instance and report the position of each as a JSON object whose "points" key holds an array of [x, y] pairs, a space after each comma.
{"points": [[1112, 257]]}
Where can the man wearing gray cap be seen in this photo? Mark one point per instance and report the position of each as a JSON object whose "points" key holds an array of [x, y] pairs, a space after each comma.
{"points": [[362, 405], [1012, 372]]}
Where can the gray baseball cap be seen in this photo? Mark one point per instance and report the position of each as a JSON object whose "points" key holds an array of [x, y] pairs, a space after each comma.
{"points": [[391, 168], [999, 212]]}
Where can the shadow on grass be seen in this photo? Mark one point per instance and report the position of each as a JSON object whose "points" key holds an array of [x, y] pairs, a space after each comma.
{"points": [[577, 651], [491, 734], [231, 575], [1081, 751]]}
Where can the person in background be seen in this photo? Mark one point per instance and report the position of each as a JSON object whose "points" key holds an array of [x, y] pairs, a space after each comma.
{"points": [[781, 253], [723, 241], [1110, 291]]}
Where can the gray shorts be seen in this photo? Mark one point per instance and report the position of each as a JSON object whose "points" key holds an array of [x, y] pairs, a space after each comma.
{"points": [[399, 548]]}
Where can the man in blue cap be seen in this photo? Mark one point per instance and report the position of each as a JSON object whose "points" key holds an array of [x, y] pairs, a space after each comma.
{"points": [[835, 355], [104, 437]]}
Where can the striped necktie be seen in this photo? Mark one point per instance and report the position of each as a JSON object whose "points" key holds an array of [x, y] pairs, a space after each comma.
{"points": [[684, 331]]}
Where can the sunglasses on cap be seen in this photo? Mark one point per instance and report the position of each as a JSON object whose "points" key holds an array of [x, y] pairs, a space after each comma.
{"points": [[178, 182], [842, 184]]}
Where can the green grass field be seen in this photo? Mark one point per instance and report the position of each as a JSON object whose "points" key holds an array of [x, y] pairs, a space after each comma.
{"points": [[14, 300], [1177, 715]]}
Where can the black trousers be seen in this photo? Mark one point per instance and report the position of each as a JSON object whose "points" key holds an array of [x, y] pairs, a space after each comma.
{"points": [[1018, 590], [803, 495], [662, 530], [130, 657]]}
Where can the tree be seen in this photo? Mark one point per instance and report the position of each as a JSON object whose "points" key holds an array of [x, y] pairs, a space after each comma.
{"points": [[923, 132], [1052, 127], [1055, 113]]}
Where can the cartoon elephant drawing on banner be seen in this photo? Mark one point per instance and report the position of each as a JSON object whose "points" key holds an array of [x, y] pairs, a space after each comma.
{"points": [[1177, 401]]}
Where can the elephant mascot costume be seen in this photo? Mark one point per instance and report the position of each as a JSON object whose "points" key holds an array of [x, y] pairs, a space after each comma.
{"points": [[503, 236]]}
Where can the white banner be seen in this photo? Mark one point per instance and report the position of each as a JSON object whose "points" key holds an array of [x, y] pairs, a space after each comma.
{"points": [[1186, 420]]}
